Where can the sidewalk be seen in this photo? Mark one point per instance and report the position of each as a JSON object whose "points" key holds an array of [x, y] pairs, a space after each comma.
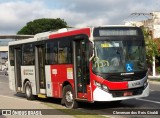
{"points": [[154, 77], [154, 82], [17, 103]]}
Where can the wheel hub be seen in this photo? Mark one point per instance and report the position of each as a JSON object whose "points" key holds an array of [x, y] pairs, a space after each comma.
{"points": [[69, 96], [28, 91]]}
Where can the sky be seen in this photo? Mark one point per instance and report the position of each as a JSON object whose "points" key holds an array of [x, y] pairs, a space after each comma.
{"points": [[14, 14]]}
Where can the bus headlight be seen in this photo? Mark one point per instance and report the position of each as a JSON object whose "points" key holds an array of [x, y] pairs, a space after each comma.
{"points": [[105, 88], [145, 84], [101, 86], [98, 84]]}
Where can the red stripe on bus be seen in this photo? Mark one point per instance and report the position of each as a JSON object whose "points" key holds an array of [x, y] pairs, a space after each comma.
{"points": [[109, 84], [85, 31]]}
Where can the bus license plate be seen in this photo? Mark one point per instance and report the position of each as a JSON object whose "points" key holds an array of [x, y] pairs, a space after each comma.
{"points": [[127, 94]]}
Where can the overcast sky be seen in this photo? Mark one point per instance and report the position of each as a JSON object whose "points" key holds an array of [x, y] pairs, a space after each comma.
{"points": [[14, 14]]}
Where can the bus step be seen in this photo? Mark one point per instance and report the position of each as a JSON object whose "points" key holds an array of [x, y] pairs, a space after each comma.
{"points": [[42, 96]]}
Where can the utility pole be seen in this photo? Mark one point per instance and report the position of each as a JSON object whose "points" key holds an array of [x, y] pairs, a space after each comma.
{"points": [[152, 37]]}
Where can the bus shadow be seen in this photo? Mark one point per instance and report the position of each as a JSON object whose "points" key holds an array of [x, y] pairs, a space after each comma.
{"points": [[56, 101], [104, 105], [86, 105], [20, 95], [44, 100], [91, 106]]}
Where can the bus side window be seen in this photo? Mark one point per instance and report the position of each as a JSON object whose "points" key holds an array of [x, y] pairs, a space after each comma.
{"points": [[51, 52], [28, 54], [64, 51], [62, 56], [11, 55]]}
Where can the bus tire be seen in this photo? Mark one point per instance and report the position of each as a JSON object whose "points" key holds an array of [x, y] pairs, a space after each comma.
{"points": [[69, 98], [28, 91]]}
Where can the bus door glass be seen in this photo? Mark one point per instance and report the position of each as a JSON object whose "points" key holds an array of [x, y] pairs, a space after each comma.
{"points": [[40, 68], [81, 65], [18, 62]]}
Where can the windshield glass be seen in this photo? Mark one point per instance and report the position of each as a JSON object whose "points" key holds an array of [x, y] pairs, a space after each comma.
{"points": [[119, 56]]}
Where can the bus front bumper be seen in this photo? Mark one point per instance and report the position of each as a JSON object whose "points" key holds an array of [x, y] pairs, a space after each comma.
{"points": [[101, 95]]}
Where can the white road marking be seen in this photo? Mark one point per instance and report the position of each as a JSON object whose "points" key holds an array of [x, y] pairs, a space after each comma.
{"points": [[148, 100]]}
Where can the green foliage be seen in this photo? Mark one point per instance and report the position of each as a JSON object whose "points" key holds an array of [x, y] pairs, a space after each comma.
{"points": [[152, 46], [42, 25], [158, 69], [152, 49]]}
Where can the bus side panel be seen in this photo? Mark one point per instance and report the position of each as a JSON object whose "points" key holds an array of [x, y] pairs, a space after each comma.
{"points": [[28, 72], [60, 74], [12, 78], [49, 86], [90, 85]]}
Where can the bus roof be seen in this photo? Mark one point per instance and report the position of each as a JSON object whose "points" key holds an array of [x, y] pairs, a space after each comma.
{"points": [[71, 32], [53, 34], [61, 33], [115, 26], [22, 41]]}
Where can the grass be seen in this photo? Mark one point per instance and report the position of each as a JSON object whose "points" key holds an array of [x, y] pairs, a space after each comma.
{"points": [[74, 112], [158, 80]]}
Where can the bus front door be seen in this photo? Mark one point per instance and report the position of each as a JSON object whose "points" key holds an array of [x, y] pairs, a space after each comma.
{"points": [[81, 70], [40, 70], [18, 61]]}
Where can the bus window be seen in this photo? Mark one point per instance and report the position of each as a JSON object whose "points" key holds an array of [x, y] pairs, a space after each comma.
{"points": [[64, 51], [11, 55], [28, 54], [51, 52]]}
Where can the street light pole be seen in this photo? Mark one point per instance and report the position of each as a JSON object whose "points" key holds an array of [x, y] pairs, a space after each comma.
{"points": [[152, 35]]}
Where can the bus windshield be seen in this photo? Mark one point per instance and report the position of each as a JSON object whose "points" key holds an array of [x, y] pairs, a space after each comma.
{"points": [[119, 56]]}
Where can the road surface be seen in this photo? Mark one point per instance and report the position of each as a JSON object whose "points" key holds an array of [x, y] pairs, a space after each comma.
{"points": [[148, 103]]}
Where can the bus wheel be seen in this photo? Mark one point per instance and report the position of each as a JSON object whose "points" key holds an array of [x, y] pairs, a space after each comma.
{"points": [[68, 97], [28, 91]]}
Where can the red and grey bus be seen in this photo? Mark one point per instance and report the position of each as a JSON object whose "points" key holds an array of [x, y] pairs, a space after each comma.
{"points": [[106, 63]]}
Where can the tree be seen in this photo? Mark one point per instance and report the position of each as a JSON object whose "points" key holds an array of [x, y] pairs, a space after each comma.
{"points": [[42, 25], [152, 46]]}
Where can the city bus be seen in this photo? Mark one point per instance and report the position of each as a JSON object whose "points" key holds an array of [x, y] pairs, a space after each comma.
{"points": [[105, 63]]}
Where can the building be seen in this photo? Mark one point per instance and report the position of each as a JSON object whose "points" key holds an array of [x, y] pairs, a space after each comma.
{"points": [[3, 53], [4, 39]]}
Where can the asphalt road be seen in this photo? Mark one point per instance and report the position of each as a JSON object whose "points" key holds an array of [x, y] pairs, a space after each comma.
{"points": [[105, 108]]}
